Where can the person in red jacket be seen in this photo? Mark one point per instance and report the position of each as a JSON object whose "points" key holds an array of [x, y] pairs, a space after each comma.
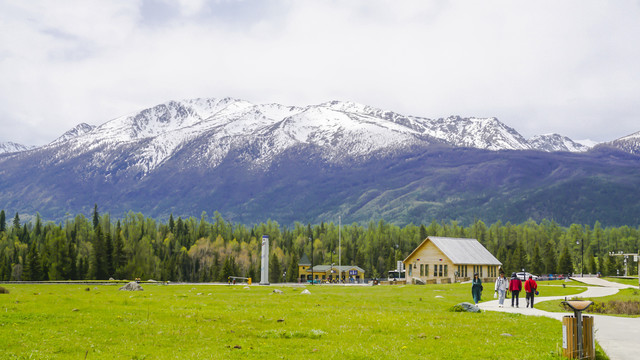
{"points": [[515, 285], [530, 287]]}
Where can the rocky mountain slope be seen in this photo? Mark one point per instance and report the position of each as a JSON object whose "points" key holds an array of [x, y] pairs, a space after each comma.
{"points": [[255, 162]]}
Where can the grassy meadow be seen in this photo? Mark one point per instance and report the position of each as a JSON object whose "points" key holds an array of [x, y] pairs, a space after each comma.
{"points": [[49, 321]]}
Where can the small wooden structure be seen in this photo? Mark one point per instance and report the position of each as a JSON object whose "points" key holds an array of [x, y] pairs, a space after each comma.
{"points": [[443, 260]]}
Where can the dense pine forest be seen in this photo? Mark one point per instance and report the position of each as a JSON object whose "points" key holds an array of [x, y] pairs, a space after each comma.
{"points": [[211, 248]]}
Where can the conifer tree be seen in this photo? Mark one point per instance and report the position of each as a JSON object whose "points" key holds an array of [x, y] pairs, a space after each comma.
{"points": [[536, 261], [292, 272], [108, 254], [565, 265], [275, 274], [98, 265], [32, 266], [119, 257], [96, 216], [3, 222], [550, 264], [593, 268]]}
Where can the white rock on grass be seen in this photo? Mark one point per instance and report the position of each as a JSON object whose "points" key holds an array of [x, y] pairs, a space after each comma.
{"points": [[306, 292], [132, 286]]}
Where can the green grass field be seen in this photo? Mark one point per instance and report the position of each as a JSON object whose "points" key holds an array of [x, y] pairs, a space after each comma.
{"points": [[231, 322], [633, 282]]}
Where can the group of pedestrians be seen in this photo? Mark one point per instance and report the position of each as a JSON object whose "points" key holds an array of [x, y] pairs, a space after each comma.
{"points": [[514, 285]]}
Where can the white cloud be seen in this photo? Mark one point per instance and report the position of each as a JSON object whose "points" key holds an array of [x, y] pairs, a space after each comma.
{"points": [[540, 67]]}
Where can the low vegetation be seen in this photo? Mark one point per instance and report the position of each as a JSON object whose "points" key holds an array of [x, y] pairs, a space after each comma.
{"points": [[625, 303], [238, 322]]}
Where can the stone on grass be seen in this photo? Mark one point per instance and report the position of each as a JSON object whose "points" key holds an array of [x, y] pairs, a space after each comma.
{"points": [[277, 291], [306, 292], [418, 281], [132, 286], [465, 307]]}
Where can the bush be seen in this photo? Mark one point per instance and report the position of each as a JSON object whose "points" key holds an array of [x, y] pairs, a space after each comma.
{"points": [[3, 290]]}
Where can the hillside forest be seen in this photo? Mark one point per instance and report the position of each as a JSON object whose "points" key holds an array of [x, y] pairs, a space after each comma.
{"points": [[211, 248]]}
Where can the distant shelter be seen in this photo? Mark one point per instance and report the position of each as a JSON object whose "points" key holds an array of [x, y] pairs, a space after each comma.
{"points": [[329, 273]]}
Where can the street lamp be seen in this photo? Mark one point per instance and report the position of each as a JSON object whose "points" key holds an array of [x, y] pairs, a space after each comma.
{"points": [[311, 240], [581, 243]]}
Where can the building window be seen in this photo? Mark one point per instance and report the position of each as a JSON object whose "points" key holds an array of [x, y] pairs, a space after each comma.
{"points": [[480, 270], [446, 270], [435, 270], [421, 269], [440, 272], [410, 269], [426, 270]]}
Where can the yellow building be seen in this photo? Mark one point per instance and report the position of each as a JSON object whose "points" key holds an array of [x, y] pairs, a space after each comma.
{"points": [[440, 260], [329, 273]]}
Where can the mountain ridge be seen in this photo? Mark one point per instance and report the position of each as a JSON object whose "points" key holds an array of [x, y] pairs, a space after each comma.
{"points": [[271, 161]]}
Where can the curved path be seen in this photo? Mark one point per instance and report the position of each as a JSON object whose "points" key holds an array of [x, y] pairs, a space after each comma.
{"points": [[618, 336]]}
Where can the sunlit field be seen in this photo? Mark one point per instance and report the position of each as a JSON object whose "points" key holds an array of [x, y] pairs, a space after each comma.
{"points": [[238, 322]]}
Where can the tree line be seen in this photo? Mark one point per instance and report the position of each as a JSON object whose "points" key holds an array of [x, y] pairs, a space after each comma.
{"points": [[212, 248]]}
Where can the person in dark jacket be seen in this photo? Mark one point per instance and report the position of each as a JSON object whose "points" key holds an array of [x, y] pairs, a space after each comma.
{"points": [[530, 287], [476, 288], [515, 286]]}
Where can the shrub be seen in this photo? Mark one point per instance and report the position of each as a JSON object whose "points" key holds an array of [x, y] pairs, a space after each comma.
{"points": [[3, 290]]}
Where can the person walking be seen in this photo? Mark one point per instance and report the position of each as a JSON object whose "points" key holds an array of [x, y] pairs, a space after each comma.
{"points": [[530, 287], [515, 285], [501, 288], [476, 288]]}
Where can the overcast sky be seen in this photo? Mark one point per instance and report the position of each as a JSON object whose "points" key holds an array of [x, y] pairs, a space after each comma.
{"points": [[568, 67]]}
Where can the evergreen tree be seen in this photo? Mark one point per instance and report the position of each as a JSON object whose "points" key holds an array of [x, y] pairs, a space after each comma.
{"points": [[171, 223], [98, 266], [32, 266], [565, 265], [119, 256], [423, 233], [292, 272], [3, 222], [16, 222], [592, 265], [550, 264], [96, 216], [71, 268], [227, 270], [536, 261], [275, 274], [108, 253]]}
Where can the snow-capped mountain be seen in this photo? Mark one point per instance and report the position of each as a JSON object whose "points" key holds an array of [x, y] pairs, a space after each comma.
{"points": [[312, 163], [212, 128], [11, 147], [556, 142], [629, 143]]}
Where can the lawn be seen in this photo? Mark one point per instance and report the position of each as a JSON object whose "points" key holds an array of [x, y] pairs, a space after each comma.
{"points": [[624, 295], [633, 282], [234, 322]]}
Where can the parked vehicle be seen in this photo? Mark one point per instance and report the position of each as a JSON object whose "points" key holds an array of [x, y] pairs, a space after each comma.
{"points": [[525, 276]]}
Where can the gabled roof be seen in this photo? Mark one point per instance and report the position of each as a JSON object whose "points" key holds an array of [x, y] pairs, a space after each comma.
{"points": [[325, 268], [461, 251], [304, 261]]}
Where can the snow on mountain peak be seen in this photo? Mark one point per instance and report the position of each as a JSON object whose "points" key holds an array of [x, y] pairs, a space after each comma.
{"points": [[340, 129], [556, 142]]}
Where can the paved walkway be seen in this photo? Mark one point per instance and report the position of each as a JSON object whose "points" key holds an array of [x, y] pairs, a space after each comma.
{"points": [[618, 336]]}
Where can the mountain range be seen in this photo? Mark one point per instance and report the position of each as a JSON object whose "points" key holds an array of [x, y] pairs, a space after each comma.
{"points": [[254, 162]]}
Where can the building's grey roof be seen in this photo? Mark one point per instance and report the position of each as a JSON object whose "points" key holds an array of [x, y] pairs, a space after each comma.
{"points": [[304, 261], [462, 251], [325, 268]]}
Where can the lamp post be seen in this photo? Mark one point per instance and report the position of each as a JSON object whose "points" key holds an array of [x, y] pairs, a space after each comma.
{"points": [[581, 243], [312, 279]]}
